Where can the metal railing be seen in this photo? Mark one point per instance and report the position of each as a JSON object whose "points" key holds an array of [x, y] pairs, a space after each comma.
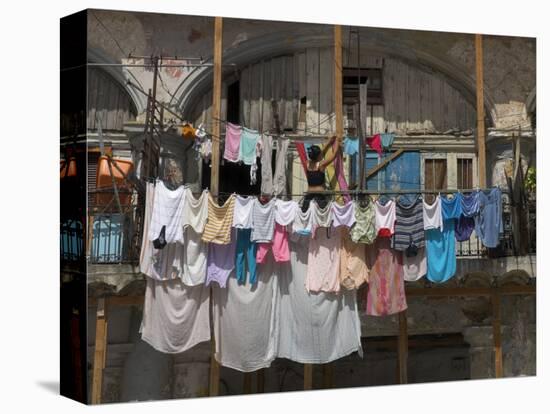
{"points": [[114, 231], [115, 234]]}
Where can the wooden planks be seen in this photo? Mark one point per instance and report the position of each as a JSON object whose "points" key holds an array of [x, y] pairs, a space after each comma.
{"points": [[312, 91], [480, 109], [100, 351]]}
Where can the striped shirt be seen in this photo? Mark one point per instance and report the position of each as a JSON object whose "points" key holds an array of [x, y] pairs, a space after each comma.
{"points": [[409, 225], [263, 221], [220, 219]]}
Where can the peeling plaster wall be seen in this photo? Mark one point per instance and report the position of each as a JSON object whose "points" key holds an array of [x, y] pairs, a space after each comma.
{"points": [[509, 62]]}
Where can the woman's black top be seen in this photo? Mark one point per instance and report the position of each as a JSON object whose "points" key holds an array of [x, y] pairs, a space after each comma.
{"points": [[315, 177]]}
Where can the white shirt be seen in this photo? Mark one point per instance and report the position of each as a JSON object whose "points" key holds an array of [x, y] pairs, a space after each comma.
{"points": [[431, 214], [242, 214], [285, 211], [415, 267], [167, 211], [384, 216]]}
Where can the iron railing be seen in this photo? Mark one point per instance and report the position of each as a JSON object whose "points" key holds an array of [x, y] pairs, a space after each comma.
{"points": [[115, 233]]}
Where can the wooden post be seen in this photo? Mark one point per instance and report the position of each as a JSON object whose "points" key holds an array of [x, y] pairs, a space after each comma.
{"points": [[338, 105], [216, 106], [308, 376], [214, 388], [247, 383], [495, 299], [327, 376], [403, 347], [100, 351], [260, 381], [480, 113]]}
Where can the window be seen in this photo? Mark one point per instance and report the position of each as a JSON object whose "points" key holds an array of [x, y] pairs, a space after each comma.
{"points": [[370, 76], [464, 173], [435, 173]]}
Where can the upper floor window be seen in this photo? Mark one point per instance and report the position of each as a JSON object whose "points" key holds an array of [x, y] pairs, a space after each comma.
{"points": [[353, 77]]}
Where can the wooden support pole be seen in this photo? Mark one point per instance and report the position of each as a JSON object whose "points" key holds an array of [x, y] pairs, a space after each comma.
{"points": [[338, 92], [482, 171], [308, 376], [260, 381], [214, 387], [403, 347], [100, 351], [328, 375], [216, 106], [247, 383], [495, 299]]}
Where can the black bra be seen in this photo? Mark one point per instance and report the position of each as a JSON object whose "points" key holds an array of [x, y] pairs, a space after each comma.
{"points": [[315, 177]]}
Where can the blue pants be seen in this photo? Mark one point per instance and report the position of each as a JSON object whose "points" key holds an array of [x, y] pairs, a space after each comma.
{"points": [[246, 249]]}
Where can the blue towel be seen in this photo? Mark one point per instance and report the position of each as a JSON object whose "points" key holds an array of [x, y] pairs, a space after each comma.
{"points": [[440, 252]]}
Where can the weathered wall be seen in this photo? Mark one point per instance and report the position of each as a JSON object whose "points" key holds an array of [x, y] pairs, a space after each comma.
{"points": [[510, 72]]}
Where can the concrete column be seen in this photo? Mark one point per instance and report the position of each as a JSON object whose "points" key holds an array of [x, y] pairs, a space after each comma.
{"points": [[482, 361]]}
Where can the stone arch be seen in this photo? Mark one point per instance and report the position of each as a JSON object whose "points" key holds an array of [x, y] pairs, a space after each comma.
{"points": [[121, 76], [199, 81]]}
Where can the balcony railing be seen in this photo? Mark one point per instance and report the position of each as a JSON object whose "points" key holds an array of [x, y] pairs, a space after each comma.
{"points": [[115, 232]]}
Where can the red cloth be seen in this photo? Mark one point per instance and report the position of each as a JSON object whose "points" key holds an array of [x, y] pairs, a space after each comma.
{"points": [[375, 143], [300, 147]]}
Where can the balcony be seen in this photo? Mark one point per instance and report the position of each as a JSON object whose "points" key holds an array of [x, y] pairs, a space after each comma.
{"points": [[115, 236]]}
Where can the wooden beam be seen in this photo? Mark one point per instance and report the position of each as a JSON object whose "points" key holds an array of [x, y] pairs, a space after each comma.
{"points": [[495, 299], [465, 291], [247, 383], [214, 387], [216, 106], [392, 157], [328, 375], [338, 92], [403, 347], [308, 376], [260, 381], [100, 351], [480, 113]]}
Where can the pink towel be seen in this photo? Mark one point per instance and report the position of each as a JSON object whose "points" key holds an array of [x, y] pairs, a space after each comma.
{"points": [[232, 142]]}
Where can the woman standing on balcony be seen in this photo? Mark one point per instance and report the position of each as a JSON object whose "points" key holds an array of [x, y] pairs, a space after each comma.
{"points": [[316, 172]]}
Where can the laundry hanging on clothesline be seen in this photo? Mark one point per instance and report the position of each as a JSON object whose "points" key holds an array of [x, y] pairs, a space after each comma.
{"points": [[273, 261]]}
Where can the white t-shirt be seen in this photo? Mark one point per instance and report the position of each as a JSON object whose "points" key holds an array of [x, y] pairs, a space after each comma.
{"points": [[167, 211], [195, 210], [384, 216], [242, 214], [431, 214], [285, 211]]}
